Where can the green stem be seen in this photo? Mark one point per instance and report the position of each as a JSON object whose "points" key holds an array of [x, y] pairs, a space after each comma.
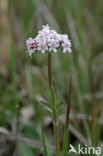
{"points": [[43, 140], [55, 121], [41, 117], [93, 101], [50, 71], [56, 134], [66, 141]]}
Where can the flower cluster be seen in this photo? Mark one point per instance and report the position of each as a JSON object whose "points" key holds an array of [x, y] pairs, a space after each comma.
{"points": [[48, 40]]}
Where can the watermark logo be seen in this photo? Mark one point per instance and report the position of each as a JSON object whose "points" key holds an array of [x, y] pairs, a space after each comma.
{"points": [[85, 150]]}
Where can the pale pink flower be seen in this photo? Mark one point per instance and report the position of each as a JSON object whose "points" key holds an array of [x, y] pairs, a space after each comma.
{"points": [[65, 43], [31, 45]]}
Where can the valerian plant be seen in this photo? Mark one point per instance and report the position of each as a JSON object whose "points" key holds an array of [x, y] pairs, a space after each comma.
{"points": [[48, 41]]}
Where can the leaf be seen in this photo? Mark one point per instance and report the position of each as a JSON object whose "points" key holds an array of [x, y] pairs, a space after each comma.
{"points": [[59, 112], [46, 107], [59, 104]]}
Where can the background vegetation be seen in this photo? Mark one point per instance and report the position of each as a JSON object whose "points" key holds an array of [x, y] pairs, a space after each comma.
{"points": [[23, 81]]}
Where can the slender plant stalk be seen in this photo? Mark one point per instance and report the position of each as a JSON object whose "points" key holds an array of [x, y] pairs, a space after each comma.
{"points": [[55, 121], [95, 110], [94, 121], [41, 117], [50, 72], [66, 130], [43, 140], [56, 135]]}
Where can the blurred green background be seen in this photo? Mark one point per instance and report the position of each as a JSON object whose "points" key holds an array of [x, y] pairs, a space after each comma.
{"points": [[23, 80]]}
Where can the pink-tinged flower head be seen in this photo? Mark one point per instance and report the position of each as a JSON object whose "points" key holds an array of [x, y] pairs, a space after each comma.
{"points": [[48, 39], [31, 45], [65, 44]]}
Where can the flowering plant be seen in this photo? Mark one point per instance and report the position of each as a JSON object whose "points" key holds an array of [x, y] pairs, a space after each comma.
{"points": [[48, 40]]}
